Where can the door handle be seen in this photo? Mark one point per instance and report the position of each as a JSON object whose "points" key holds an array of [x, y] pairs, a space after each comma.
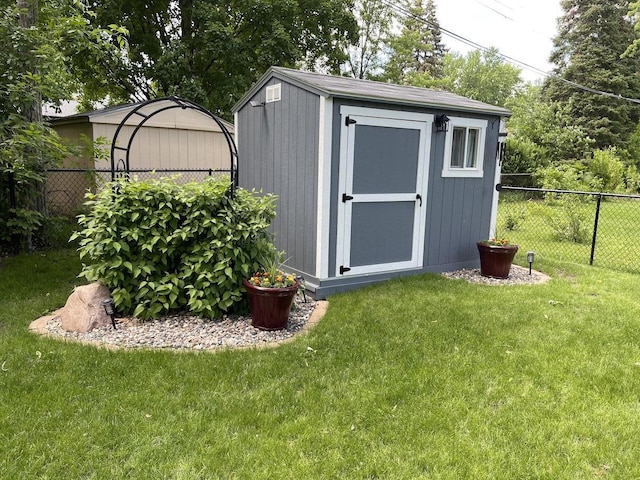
{"points": [[419, 197]]}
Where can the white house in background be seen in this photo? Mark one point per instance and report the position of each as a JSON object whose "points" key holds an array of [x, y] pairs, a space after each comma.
{"points": [[66, 108]]}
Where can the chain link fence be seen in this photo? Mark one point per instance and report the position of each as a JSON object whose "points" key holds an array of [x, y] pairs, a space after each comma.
{"points": [[61, 198], [66, 188], [593, 228], [584, 227]]}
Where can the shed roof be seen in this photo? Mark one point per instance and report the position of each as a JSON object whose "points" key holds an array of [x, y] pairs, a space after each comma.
{"points": [[173, 118], [346, 87]]}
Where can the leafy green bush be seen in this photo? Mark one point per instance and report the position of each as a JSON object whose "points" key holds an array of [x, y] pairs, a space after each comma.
{"points": [[567, 176], [569, 220], [522, 156], [515, 217], [160, 246], [603, 172], [607, 171], [632, 179]]}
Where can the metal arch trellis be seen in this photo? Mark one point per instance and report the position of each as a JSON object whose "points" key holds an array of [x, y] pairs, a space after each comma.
{"points": [[175, 102]]}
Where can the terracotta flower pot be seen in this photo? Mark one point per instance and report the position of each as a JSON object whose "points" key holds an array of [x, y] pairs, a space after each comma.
{"points": [[495, 260], [270, 307]]}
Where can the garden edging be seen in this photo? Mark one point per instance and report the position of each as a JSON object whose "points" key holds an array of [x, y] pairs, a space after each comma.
{"points": [[42, 326]]}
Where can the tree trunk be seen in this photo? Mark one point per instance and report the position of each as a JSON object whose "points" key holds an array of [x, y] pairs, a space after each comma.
{"points": [[28, 18], [35, 194]]}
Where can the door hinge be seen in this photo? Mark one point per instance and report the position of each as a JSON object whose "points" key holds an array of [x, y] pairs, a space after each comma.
{"points": [[346, 198], [502, 151], [349, 121], [344, 269]]}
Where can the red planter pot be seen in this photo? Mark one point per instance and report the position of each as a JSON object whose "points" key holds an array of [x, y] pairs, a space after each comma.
{"points": [[495, 260], [270, 307]]}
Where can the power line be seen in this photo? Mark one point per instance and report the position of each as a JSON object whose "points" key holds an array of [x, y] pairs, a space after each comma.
{"points": [[495, 10], [405, 12], [509, 7], [509, 18]]}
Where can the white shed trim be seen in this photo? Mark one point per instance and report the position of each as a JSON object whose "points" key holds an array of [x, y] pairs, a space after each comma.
{"points": [[385, 118], [496, 181], [323, 221]]}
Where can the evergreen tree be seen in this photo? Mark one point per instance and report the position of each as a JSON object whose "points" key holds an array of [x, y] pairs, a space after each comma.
{"points": [[592, 37], [418, 51]]}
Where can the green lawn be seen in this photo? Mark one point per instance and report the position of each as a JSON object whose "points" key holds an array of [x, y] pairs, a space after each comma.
{"points": [[529, 224], [422, 377]]}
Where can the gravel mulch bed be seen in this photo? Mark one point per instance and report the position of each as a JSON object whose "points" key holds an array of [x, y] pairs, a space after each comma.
{"points": [[517, 276], [185, 332]]}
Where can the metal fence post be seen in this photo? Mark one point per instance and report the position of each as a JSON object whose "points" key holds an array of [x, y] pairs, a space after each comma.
{"points": [[595, 230]]}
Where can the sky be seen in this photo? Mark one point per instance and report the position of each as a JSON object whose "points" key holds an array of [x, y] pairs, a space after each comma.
{"points": [[520, 29]]}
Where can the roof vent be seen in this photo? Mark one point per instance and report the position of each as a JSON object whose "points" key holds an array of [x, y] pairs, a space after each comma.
{"points": [[273, 93]]}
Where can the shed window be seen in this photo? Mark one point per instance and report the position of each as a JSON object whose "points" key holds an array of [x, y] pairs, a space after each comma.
{"points": [[273, 93], [464, 148]]}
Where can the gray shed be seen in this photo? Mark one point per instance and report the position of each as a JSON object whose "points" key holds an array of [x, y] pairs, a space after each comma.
{"points": [[374, 180]]}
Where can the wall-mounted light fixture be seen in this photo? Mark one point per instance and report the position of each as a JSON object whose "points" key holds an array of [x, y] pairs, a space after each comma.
{"points": [[107, 304], [530, 257], [253, 103], [441, 123]]}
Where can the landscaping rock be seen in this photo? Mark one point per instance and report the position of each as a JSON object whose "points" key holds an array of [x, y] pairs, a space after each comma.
{"points": [[40, 325], [517, 276], [83, 311], [181, 331]]}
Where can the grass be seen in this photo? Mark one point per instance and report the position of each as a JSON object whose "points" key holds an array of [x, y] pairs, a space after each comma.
{"points": [[422, 377], [530, 224]]}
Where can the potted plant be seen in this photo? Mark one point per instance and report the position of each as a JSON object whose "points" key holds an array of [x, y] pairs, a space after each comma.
{"points": [[496, 256], [271, 292]]}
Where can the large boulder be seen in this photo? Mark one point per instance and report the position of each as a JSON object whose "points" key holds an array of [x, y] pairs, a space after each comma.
{"points": [[83, 311]]}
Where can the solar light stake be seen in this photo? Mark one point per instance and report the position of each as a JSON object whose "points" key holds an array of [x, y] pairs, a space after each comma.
{"points": [[530, 257], [107, 304]]}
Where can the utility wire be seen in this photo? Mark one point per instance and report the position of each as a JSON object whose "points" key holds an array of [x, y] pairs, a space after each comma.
{"points": [[509, 7], [495, 10], [407, 13]]}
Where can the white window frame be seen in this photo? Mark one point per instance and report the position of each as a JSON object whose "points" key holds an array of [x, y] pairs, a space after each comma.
{"points": [[273, 93], [473, 172]]}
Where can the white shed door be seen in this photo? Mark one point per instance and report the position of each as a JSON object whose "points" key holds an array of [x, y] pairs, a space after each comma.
{"points": [[384, 158]]}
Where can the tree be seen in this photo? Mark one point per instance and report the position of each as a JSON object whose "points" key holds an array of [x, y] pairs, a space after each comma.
{"points": [[40, 38], [365, 59], [27, 18], [417, 52], [634, 15], [213, 51], [540, 133], [485, 76], [588, 50]]}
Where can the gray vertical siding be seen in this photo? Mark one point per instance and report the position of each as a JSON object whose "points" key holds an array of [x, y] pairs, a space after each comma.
{"points": [[458, 209], [278, 153]]}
